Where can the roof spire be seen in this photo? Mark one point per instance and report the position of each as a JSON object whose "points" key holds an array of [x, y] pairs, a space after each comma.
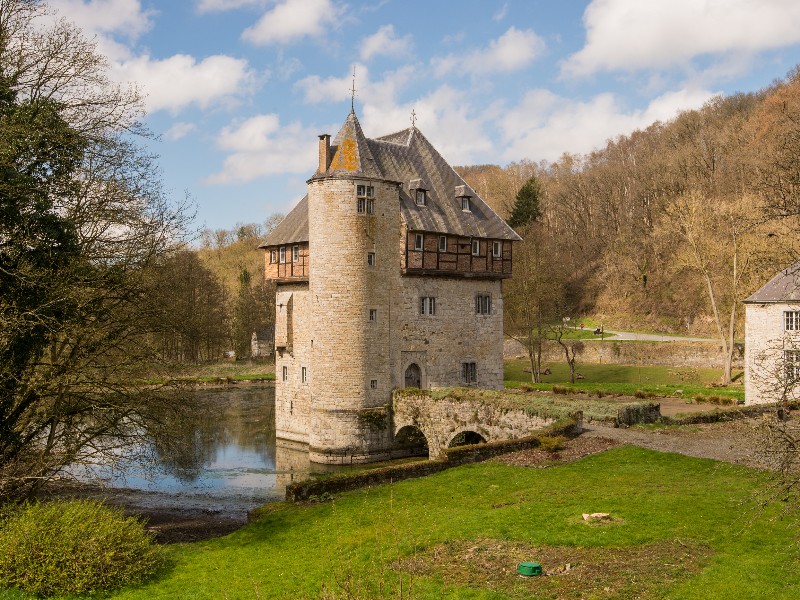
{"points": [[413, 119], [353, 92]]}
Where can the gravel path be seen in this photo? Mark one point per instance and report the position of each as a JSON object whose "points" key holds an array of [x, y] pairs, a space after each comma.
{"points": [[731, 442]]}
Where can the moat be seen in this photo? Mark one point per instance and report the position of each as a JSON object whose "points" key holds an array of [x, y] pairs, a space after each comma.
{"points": [[225, 464]]}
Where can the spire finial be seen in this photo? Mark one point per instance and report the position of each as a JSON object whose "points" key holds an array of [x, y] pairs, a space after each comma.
{"points": [[413, 119], [353, 92]]}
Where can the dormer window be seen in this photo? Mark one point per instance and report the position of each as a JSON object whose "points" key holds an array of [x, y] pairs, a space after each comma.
{"points": [[465, 205], [421, 198]]}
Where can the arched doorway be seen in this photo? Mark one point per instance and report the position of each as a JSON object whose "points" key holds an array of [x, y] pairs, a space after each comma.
{"points": [[413, 376]]}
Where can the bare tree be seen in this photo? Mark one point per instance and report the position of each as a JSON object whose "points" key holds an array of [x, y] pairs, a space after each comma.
{"points": [[77, 307]]}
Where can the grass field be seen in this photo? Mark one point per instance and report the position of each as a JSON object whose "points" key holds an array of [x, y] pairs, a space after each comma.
{"points": [[679, 529], [624, 379]]}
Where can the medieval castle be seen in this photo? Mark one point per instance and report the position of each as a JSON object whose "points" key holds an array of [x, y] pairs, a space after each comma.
{"points": [[388, 275]]}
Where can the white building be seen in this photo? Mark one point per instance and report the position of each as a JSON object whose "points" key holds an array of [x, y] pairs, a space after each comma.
{"points": [[772, 340]]}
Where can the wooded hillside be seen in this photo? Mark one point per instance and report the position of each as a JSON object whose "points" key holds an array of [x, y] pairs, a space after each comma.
{"points": [[672, 226]]}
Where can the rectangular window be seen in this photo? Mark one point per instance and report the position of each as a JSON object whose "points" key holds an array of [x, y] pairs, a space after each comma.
{"points": [[273, 256], [285, 373], [373, 314], [365, 191], [465, 203], [420, 198], [442, 243], [497, 249], [283, 254], [373, 384], [419, 241], [791, 320], [427, 305], [303, 375], [483, 304], [469, 372], [370, 206], [370, 259], [362, 206], [791, 359], [476, 248], [295, 253]]}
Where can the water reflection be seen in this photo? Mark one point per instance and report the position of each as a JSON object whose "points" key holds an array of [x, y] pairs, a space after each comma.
{"points": [[223, 460]]}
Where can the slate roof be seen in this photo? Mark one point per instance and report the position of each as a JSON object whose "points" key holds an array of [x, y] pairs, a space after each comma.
{"points": [[784, 287], [293, 228], [405, 156]]}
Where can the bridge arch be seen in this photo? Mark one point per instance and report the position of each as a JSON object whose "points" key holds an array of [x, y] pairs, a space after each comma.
{"points": [[467, 436], [413, 440]]}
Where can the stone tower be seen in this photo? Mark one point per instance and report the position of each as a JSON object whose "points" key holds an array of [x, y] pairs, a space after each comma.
{"points": [[354, 226]]}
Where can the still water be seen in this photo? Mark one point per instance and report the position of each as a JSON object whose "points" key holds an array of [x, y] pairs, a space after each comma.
{"points": [[226, 461]]}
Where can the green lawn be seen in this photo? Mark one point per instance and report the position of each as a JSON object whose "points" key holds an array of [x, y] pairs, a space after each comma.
{"points": [[626, 379], [679, 530]]}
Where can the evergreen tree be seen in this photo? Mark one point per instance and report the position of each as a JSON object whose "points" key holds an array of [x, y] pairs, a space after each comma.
{"points": [[526, 206]]}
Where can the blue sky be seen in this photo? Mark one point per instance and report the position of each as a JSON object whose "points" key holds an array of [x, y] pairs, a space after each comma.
{"points": [[239, 90]]}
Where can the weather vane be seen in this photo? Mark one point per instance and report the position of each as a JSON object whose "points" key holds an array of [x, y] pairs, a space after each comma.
{"points": [[353, 91], [413, 119]]}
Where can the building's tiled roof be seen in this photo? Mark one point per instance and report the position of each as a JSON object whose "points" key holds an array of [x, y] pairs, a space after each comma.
{"points": [[405, 156], [351, 153], [784, 287], [408, 155], [293, 228]]}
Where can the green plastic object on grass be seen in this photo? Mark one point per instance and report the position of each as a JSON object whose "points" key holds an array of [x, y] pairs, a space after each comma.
{"points": [[529, 569]]}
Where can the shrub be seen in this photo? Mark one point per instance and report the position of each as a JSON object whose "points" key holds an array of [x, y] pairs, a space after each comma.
{"points": [[552, 444], [639, 394], [557, 389], [74, 547]]}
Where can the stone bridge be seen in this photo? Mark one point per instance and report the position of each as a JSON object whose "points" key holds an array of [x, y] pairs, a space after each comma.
{"points": [[457, 418]]}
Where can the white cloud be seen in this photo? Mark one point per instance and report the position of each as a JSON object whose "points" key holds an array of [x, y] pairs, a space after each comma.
{"points": [[512, 51], [260, 146], [204, 6], [501, 14], [383, 92], [385, 41], [291, 20], [632, 34], [122, 17], [180, 80], [544, 125], [179, 131]]}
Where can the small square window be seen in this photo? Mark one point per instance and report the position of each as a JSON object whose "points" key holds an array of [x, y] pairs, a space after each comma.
{"points": [[362, 206], [497, 249], [282, 254], [427, 305], [373, 384], [420, 198], [791, 320], [273, 256], [303, 375], [361, 191], [465, 203], [295, 253], [373, 314], [442, 243], [469, 372], [476, 248], [370, 206], [370, 191], [370, 259], [419, 241], [285, 374]]}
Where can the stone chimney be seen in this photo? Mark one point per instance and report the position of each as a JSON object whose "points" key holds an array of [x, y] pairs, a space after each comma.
{"points": [[324, 152]]}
